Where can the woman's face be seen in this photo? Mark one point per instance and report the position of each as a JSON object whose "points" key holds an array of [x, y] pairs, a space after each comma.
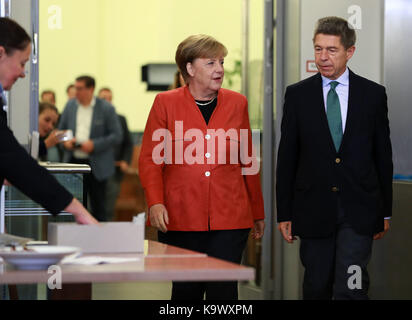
{"points": [[47, 122], [207, 73], [12, 67]]}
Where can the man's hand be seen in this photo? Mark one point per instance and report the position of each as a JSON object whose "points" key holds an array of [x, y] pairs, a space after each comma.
{"points": [[159, 217], [87, 146], [258, 229], [123, 165], [285, 229], [69, 145], [380, 235]]}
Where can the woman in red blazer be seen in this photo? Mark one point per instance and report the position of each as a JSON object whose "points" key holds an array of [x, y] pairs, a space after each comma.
{"points": [[197, 168]]}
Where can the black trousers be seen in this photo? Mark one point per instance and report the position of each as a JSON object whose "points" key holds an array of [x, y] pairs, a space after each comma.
{"points": [[223, 244], [96, 192], [332, 264]]}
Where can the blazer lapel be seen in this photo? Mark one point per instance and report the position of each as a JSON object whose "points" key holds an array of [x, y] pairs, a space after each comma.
{"points": [[73, 119], [95, 118]]}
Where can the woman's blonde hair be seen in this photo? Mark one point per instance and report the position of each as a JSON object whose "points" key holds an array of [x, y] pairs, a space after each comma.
{"points": [[197, 46]]}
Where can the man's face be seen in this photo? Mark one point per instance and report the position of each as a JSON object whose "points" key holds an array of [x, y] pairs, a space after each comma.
{"points": [[106, 95], [330, 55], [48, 97], [83, 95]]}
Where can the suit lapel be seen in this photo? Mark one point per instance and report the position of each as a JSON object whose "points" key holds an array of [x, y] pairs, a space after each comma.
{"points": [[95, 115], [73, 123]]}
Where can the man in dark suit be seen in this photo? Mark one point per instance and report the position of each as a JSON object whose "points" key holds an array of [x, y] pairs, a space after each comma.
{"points": [[122, 156], [334, 169], [97, 131]]}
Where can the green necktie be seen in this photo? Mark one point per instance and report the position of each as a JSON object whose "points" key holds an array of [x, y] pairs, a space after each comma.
{"points": [[334, 115]]}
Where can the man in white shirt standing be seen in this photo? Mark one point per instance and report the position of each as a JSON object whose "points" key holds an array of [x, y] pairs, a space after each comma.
{"points": [[334, 169], [96, 131]]}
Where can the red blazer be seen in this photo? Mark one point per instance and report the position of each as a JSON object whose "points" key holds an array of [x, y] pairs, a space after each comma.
{"points": [[207, 194]]}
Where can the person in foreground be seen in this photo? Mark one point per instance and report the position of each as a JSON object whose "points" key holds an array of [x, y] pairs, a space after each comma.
{"points": [[196, 198], [16, 165], [334, 170]]}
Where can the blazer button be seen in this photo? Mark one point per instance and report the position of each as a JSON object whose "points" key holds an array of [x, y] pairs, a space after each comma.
{"points": [[335, 189], [207, 173], [207, 137], [208, 155], [338, 160]]}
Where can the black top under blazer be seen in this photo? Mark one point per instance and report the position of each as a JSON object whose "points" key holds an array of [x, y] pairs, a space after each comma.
{"points": [[23, 172], [311, 175]]}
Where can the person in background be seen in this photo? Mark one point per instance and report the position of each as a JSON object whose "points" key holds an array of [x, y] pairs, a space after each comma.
{"points": [[178, 81], [203, 205], [16, 165], [97, 131], [48, 118], [334, 168], [122, 155], [48, 96], [71, 91]]}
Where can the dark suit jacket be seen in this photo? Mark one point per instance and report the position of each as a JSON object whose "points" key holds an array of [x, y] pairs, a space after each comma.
{"points": [[311, 175], [22, 171], [124, 150]]}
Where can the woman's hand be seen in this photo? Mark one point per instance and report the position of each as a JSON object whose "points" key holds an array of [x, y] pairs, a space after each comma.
{"points": [[52, 139], [258, 229], [80, 213], [159, 217]]}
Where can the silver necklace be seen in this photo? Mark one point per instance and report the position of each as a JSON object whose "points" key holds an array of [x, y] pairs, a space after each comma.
{"points": [[205, 104]]}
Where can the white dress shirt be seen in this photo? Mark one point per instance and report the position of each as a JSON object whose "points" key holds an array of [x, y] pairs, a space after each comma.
{"points": [[343, 93], [83, 127]]}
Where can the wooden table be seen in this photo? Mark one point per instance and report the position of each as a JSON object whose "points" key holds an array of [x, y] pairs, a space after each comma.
{"points": [[158, 263]]}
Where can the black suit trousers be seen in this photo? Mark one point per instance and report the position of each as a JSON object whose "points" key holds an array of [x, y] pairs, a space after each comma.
{"points": [[332, 264], [222, 244]]}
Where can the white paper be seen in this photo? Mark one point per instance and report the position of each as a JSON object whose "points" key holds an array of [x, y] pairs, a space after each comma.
{"points": [[95, 260]]}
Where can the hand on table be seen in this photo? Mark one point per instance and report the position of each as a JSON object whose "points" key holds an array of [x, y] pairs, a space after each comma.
{"points": [[80, 213]]}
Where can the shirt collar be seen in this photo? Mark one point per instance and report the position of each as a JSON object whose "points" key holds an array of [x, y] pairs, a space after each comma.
{"points": [[343, 79], [91, 105]]}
